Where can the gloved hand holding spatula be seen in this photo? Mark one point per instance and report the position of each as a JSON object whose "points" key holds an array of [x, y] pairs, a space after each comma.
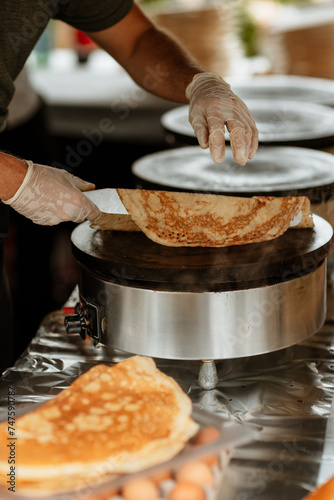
{"points": [[49, 196]]}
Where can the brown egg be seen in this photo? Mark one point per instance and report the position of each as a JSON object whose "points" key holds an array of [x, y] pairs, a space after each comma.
{"points": [[140, 489], [161, 476], [196, 472], [103, 496], [186, 491], [211, 460], [207, 435]]}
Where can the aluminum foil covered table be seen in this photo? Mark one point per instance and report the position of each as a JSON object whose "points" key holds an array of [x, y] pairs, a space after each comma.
{"points": [[285, 396]]}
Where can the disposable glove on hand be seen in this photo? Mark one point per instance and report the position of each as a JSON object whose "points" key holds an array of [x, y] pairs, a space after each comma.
{"points": [[212, 105], [49, 196]]}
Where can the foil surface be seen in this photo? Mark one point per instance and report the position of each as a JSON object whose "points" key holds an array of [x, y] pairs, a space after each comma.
{"points": [[286, 396]]}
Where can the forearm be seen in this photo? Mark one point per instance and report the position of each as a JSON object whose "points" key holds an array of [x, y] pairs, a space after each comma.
{"points": [[152, 57], [12, 173], [160, 65]]}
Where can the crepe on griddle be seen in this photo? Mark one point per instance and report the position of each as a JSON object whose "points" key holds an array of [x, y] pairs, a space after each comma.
{"points": [[205, 220], [111, 420]]}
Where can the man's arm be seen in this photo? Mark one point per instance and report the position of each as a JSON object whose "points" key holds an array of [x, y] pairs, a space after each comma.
{"points": [[159, 64], [152, 58], [12, 173]]}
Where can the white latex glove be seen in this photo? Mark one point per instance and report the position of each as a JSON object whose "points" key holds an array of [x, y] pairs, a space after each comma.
{"points": [[49, 196], [212, 105]]}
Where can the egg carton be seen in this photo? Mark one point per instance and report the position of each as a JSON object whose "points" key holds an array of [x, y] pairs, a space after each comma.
{"points": [[216, 453], [174, 488]]}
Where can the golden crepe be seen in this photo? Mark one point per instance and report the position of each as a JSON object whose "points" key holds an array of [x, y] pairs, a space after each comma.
{"points": [[111, 420], [206, 220]]}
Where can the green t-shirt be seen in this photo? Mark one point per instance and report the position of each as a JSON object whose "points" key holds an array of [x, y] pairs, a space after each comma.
{"points": [[23, 22]]}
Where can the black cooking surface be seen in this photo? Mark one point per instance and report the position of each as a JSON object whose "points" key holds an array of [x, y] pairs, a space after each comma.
{"points": [[132, 258]]}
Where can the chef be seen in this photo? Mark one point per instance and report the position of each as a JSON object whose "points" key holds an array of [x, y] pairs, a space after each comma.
{"points": [[152, 58]]}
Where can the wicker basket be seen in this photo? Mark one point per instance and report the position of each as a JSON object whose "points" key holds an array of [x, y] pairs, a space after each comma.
{"points": [[305, 50], [207, 33]]}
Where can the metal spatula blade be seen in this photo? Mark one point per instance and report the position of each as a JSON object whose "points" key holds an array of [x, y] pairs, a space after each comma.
{"points": [[114, 216], [107, 200]]}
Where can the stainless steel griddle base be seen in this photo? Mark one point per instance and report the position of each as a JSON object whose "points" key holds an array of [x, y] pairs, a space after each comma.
{"points": [[207, 325]]}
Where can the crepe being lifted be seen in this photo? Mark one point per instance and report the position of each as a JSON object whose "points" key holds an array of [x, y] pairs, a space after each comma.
{"points": [[206, 220], [111, 420]]}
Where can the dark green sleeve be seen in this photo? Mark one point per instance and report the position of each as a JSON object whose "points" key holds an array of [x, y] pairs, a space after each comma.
{"points": [[92, 15]]}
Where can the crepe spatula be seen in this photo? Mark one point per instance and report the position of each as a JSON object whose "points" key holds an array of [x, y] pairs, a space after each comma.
{"points": [[114, 216]]}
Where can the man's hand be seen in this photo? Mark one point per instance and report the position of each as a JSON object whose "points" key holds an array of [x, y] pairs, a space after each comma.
{"points": [[49, 196], [159, 64], [212, 106]]}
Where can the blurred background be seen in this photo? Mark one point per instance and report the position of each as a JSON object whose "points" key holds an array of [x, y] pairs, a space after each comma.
{"points": [[76, 108]]}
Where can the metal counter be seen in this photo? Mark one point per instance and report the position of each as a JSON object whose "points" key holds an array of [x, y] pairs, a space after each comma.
{"points": [[287, 395]]}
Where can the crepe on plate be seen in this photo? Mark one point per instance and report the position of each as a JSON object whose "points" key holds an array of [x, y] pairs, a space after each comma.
{"points": [[111, 420], [206, 220]]}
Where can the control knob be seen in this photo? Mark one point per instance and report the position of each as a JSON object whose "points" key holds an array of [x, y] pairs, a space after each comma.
{"points": [[77, 323]]}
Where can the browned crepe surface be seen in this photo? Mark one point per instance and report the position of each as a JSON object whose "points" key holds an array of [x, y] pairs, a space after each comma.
{"points": [[111, 420], [205, 220]]}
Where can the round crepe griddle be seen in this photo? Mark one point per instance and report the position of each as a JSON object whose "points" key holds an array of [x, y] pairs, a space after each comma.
{"points": [[279, 123], [131, 258], [275, 171]]}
